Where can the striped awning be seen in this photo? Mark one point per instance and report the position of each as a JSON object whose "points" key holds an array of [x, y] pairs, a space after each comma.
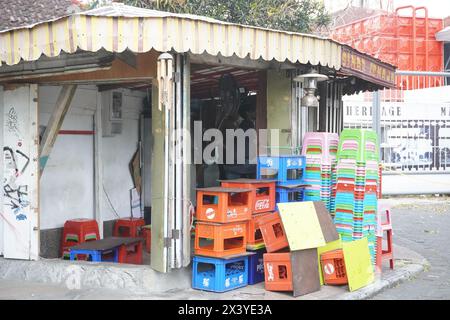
{"points": [[118, 27]]}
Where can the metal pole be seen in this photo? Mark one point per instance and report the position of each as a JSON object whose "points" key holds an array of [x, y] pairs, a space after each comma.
{"points": [[376, 114]]}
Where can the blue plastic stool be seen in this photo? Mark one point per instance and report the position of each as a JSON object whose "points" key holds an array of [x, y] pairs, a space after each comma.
{"points": [[219, 275]]}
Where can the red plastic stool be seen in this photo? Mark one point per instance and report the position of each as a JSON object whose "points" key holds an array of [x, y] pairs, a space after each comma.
{"points": [[131, 253], [128, 227], [382, 228], [147, 234], [77, 231]]}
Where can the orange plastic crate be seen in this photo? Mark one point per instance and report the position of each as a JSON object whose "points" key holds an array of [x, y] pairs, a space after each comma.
{"points": [[220, 240], [278, 271], [273, 232], [254, 235], [223, 205], [333, 267], [262, 195]]}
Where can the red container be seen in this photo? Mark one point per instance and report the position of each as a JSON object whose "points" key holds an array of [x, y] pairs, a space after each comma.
{"points": [[278, 271], [223, 205], [404, 41], [254, 235], [333, 267], [273, 232], [262, 194], [220, 240]]}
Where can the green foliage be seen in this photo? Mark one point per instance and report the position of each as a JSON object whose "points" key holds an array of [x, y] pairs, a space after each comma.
{"points": [[289, 15]]}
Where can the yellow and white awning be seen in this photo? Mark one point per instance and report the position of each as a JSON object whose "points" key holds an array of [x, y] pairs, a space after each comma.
{"points": [[118, 27]]}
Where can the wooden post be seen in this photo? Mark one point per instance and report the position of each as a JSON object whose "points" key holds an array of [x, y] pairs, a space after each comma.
{"points": [[55, 123]]}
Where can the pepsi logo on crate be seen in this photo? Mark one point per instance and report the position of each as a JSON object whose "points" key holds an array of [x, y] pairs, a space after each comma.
{"points": [[223, 205]]}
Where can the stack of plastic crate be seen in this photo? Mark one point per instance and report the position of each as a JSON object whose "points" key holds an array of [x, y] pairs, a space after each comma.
{"points": [[262, 200], [221, 261], [356, 186], [320, 149]]}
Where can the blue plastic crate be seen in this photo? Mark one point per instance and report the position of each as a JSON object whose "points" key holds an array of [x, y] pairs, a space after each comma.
{"points": [[277, 168], [256, 267], [219, 275], [288, 195]]}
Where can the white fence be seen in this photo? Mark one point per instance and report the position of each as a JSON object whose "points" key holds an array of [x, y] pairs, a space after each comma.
{"points": [[414, 131]]}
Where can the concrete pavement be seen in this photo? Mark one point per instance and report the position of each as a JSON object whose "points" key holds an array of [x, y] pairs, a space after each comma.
{"points": [[408, 265], [421, 229], [423, 225]]}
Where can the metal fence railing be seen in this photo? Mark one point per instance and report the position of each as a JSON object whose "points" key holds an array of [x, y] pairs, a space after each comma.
{"points": [[414, 122]]}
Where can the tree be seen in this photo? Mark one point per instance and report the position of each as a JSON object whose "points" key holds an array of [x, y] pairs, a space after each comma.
{"points": [[290, 15]]}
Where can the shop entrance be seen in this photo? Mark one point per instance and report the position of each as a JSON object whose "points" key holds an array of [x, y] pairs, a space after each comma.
{"points": [[227, 98]]}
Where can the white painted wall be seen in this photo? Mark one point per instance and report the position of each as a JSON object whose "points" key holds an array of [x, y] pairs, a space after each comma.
{"points": [[67, 185], [1, 171]]}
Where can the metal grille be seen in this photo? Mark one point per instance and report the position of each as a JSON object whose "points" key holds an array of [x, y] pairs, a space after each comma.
{"points": [[415, 145]]}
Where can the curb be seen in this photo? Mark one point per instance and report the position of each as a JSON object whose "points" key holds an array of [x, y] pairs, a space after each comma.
{"points": [[405, 273]]}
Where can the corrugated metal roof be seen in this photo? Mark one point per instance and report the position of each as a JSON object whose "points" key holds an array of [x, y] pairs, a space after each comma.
{"points": [[118, 27]]}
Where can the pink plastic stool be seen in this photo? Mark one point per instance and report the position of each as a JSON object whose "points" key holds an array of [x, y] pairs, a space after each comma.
{"points": [[382, 228]]}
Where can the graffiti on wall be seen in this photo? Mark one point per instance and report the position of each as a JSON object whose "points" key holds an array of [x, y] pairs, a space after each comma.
{"points": [[15, 163], [12, 123]]}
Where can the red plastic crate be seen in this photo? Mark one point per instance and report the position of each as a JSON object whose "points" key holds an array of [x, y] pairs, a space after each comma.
{"points": [[254, 235], [262, 195], [273, 232], [223, 205], [333, 267], [220, 240], [278, 271]]}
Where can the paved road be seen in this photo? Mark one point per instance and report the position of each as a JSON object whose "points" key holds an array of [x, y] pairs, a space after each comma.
{"points": [[423, 226]]}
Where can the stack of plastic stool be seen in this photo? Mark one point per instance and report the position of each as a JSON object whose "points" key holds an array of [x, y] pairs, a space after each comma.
{"points": [[78, 231], [320, 149]]}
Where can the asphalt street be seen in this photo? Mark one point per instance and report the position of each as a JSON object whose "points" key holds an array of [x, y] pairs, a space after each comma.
{"points": [[423, 225]]}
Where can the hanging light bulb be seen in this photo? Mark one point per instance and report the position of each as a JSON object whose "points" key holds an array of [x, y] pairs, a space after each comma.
{"points": [[311, 79]]}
